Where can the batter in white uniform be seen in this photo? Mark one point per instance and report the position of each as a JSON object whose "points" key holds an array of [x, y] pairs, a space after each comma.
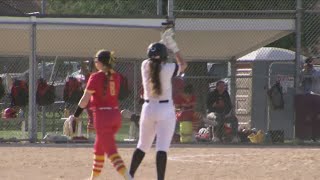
{"points": [[158, 113]]}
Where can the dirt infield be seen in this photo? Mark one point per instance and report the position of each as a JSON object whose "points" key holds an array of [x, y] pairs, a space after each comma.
{"points": [[208, 162]]}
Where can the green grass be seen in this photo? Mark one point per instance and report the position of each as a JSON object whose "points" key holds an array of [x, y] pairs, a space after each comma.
{"points": [[123, 132], [15, 131]]}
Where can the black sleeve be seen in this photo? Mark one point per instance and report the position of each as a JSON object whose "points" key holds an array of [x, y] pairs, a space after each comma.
{"points": [[175, 73], [210, 100], [124, 90], [78, 112], [228, 106]]}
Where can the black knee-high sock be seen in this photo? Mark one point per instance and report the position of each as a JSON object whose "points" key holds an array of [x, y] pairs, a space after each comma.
{"points": [[137, 158], [161, 164]]}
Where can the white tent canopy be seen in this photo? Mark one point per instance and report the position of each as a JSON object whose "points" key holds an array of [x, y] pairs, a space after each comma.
{"points": [[270, 54], [199, 39]]}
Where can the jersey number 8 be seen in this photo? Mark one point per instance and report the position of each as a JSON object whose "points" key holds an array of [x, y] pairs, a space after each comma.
{"points": [[112, 88]]}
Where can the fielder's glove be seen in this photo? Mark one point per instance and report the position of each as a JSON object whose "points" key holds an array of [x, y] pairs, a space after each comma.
{"points": [[168, 41], [69, 126], [126, 113]]}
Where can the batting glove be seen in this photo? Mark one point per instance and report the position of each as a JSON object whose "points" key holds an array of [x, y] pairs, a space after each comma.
{"points": [[168, 41]]}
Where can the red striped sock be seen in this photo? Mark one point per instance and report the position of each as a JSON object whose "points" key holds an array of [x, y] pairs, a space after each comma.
{"points": [[97, 165], [118, 163]]}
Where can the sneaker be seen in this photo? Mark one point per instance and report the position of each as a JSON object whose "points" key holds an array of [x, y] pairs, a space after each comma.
{"points": [[92, 178], [235, 139], [215, 139], [127, 176]]}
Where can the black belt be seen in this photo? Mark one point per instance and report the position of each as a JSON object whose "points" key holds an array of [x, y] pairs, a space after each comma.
{"points": [[162, 101]]}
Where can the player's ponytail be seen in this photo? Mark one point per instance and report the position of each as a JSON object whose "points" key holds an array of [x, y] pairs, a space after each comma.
{"points": [[107, 59], [155, 68]]}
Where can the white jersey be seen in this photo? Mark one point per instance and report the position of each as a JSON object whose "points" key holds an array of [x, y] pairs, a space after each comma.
{"points": [[158, 113], [168, 70]]}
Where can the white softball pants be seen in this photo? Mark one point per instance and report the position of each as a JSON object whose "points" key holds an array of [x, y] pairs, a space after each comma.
{"points": [[157, 119]]}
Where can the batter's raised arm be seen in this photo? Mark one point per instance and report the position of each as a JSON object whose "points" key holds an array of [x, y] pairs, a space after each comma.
{"points": [[167, 39], [181, 62]]}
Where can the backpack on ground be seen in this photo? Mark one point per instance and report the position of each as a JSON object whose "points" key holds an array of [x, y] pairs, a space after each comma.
{"points": [[45, 93], [72, 91], [275, 94], [124, 89], [19, 93]]}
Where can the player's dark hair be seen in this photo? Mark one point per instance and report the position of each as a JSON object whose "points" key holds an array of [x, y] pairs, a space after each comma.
{"points": [[220, 82], [91, 66], [104, 57], [155, 68]]}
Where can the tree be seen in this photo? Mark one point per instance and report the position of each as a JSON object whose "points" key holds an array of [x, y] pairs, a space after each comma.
{"points": [[102, 7]]}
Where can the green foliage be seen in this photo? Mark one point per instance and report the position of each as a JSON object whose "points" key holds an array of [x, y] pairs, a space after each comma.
{"points": [[102, 7], [234, 4], [147, 8]]}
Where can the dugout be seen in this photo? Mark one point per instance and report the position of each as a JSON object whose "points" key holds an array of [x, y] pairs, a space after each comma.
{"points": [[268, 65], [200, 39]]}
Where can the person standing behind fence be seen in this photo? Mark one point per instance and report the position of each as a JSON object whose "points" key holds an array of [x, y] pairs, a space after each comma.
{"points": [[86, 69], [158, 112], [103, 90], [308, 76]]}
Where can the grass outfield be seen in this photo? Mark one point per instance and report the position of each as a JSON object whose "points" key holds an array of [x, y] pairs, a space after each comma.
{"points": [[13, 130]]}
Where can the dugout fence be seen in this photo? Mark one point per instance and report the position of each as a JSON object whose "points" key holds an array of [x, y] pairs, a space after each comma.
{"points": [[212, 35]]}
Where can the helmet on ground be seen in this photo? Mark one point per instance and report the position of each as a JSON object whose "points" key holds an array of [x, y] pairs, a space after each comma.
{"points": [[157, 51], [9, 113]]}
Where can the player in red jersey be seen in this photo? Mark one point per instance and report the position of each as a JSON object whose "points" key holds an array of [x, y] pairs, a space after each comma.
{"points": [[102, 92], [185, 103]]}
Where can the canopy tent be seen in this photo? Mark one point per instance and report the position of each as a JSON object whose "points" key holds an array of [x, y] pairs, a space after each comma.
{"points": [[270, 54], [198, 38]]}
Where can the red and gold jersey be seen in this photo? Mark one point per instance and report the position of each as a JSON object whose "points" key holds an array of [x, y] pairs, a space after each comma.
{"points": [[185, 107], [177, 86], [104, 95], [185, 102]]}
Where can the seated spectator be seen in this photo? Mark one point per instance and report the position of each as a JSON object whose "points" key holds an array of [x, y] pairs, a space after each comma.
{"points": [[219, 103], [185, 107]]}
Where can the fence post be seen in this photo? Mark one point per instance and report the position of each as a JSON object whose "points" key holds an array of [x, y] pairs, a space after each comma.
{"points": [[159, 7], [43, 119], [32, 127], [43, 7], [232, 73], [170, 9], [135, 88], [298, 24]]}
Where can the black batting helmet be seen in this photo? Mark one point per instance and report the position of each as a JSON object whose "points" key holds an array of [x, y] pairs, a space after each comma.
{"points": [[157, 51]]}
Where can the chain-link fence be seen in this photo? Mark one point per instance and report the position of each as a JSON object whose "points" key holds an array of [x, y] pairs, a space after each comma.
{"points": [[250, 45], [307, 118]]}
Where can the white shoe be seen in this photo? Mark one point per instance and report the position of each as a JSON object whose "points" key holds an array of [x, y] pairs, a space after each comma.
{"points": [[127, 176], [235, 139], [215, 139], [92, 178]]}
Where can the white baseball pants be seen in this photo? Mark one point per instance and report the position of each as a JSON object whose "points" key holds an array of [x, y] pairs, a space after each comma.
{"points": [[157, 119]]}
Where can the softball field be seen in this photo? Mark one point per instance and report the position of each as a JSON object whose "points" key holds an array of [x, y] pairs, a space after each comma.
{"points": [[185, 162]]}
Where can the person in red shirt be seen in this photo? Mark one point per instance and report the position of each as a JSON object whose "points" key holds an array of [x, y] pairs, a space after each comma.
{"points": [[102, 91], [185, 107], [88, 68]]}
